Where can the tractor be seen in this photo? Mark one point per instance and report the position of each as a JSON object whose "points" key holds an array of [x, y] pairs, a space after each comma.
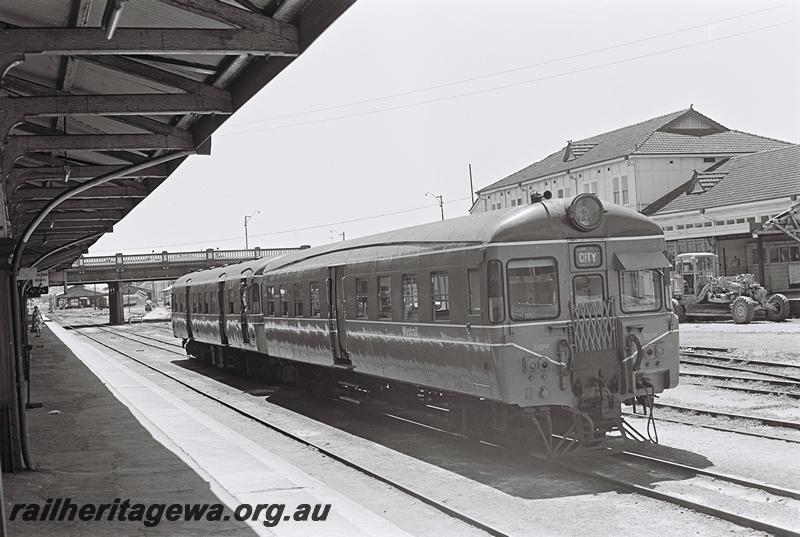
{"points": [[699, 292]]}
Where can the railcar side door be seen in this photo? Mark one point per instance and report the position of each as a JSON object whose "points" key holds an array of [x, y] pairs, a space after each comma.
{"points": [[243, 310], [188, 308], [221, 303], [336, 315]]}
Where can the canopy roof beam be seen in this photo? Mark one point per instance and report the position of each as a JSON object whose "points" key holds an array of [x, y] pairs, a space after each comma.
{"points": [[19, 42]]}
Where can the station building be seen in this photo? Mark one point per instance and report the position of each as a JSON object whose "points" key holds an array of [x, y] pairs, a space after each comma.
{"points": [[728, 209], [670, 167]]}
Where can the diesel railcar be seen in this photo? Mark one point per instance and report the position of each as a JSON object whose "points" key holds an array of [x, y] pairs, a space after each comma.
{"points": [[525, 323]]}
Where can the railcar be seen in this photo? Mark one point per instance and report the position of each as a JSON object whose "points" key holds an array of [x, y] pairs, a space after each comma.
{"points": [[525, 323]]}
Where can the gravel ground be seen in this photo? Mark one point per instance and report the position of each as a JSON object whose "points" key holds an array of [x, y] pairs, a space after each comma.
{"points": [[762, 337]]}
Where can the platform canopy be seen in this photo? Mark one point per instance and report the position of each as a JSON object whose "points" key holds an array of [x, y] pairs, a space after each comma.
{"points": [[97, 87]]}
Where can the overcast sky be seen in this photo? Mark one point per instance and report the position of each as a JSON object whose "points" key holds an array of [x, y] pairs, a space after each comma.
{"points": [[515, 78]]}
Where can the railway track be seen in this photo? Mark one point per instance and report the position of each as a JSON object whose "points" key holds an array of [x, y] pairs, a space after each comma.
{"points": [[716, 413], [788, 378], [318, 447], [766, 363], [587, 470]]}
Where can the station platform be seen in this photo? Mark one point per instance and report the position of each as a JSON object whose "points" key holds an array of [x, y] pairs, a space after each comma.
{"points": [[108, 433], [87, 446]]}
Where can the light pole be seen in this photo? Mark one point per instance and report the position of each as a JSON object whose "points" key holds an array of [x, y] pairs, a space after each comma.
{"points": [[439, 198], [246, 218]]}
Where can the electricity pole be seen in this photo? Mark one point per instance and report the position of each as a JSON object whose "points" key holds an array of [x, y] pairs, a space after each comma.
{"points": [[246, 218], [471, 188], [440, 199]]}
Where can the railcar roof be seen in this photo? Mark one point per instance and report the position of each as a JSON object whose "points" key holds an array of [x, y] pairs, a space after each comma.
{"points": [[539, 221]]}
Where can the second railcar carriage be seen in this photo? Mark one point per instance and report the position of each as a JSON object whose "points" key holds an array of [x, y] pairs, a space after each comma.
{"points": [[546, 317]]}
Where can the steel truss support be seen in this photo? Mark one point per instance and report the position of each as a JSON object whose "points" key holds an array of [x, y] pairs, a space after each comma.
{"points": [[20, 176]]}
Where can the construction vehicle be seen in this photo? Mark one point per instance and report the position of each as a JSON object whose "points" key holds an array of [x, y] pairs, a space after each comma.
{"points": [[699, 292]]}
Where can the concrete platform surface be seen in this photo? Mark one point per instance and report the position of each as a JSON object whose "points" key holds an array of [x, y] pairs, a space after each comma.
{"points": [[106, 432]]}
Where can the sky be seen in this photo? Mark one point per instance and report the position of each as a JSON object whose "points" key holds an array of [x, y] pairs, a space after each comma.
{"points": [[393, 102]]}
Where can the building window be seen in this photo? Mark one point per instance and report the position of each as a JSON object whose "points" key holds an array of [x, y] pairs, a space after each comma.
{"points": [[474, 290], [794, 253], [513, 203], [284, 300], [621, 192], [298, 300], [590, 186], [440, 296], [410, 293], [560, 193], [361, 298], [709, 159], [519, 201], [314, 293], [385, 297], [774, 255]]}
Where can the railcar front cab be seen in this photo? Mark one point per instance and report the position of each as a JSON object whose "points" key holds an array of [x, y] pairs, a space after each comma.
{"points": [[588, 321]]}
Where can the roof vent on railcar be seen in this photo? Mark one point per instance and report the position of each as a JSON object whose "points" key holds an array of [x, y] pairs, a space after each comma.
{"points": [[586, 211]]}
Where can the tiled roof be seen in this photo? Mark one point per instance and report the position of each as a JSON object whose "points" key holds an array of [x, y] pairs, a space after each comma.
{"points": [[642, 138], [721, 142], [605, 146], [759, 176]]}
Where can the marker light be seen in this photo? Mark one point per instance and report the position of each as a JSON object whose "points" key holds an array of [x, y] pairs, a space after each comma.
{"points": [[585, 212]]}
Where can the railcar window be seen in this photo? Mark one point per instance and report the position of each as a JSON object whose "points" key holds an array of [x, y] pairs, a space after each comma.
{"points": [[384, 297], [243, 297], [298, 300], [361, 298], [230, 301], [474, 290], [641, 290], [440, 296], [270, 301], [205, 302], [588, 288], [284, 301], [255, 298], [533, 289], [410, 293], [494, 281], [194, 303], [314, 292]]}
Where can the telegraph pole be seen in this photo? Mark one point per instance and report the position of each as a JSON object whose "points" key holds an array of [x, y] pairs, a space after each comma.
{"points": [[471, 188], [440, 199], [246, 218]]}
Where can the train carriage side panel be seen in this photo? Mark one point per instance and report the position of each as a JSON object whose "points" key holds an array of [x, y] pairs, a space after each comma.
{"points": [[296, 323]]}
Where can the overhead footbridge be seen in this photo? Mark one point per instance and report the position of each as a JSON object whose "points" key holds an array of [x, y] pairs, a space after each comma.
{"points": [[100, 102]]}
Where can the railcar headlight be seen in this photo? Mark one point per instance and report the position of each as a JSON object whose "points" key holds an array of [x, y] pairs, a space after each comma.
{"points": [[585, 212]]}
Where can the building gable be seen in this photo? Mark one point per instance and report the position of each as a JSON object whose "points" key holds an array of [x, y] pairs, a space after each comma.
{"points": [[693, 123]]}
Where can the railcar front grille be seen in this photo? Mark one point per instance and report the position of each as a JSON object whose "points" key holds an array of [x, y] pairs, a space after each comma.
{"points": [[593, 326]]}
